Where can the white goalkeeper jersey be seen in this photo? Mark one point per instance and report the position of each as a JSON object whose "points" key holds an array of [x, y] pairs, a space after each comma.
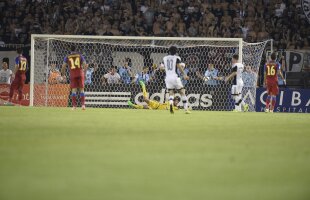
{"points": [[170, 63], [238, 67]]}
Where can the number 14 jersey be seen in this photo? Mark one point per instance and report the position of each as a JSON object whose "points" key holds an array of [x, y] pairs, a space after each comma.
{"points": [[75, 61]]}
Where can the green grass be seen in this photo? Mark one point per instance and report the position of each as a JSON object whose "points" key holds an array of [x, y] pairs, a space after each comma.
{"points": [[107, 154]]}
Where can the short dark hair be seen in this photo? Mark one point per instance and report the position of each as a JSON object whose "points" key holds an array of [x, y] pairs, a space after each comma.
{"points": [[236, 56], [19, 50], [173, 50], [72, 48], [273, 56], [7, 60]]}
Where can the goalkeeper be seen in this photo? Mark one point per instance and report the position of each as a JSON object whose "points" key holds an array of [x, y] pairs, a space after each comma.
{"points": [[152, 104]]}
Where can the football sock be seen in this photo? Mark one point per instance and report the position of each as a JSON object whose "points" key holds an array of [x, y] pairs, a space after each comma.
{"points": [[82, 96], [240, 100], [268, 101], [237, 103], [171, 100], [73, 95], [184, 100], [237, 107], [273, 103]]}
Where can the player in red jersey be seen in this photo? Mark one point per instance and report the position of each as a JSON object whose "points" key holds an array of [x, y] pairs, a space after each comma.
{"points": [[77, 65], [271, 71], [20, 77]]}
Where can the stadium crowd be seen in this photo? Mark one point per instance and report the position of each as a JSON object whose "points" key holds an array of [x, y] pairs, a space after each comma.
{"points": [[254, 20]]}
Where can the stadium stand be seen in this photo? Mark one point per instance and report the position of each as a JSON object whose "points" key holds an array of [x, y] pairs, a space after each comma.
{"points": [[253, 20]]}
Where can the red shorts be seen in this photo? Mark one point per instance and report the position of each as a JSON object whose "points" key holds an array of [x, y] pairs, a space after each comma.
{"points": [[272, 89], [19, 82], [77, 82]]}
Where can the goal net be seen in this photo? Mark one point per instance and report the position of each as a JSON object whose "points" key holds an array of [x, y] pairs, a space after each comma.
{"points": [[140, 58]]}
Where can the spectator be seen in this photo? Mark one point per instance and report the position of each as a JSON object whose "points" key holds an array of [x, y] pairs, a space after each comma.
{"points": [[111, 78], [211, 76], [249, 77], [6, 74], [252, 20], [193, 30], [281, 82], [186, 71], [89, 73], [54, 76], [158, 74], [143, 76], [125, 72]]}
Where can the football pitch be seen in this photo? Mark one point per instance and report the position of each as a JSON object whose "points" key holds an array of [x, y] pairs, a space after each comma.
{"points": [[117, 154]]}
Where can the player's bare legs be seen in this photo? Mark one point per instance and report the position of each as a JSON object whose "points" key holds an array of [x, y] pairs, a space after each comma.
{"points": [[82, 98], [184, 100]]}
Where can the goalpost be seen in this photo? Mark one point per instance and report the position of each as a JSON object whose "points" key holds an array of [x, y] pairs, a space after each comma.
{"points": [[103, 52]]}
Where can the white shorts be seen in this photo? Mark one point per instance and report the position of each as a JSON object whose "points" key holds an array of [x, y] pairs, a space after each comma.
{"points": [[236, 89], [173, 83]]}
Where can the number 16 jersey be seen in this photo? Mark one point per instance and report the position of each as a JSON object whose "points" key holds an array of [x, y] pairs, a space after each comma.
{"points": [[75, 61], [271, 70]]}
